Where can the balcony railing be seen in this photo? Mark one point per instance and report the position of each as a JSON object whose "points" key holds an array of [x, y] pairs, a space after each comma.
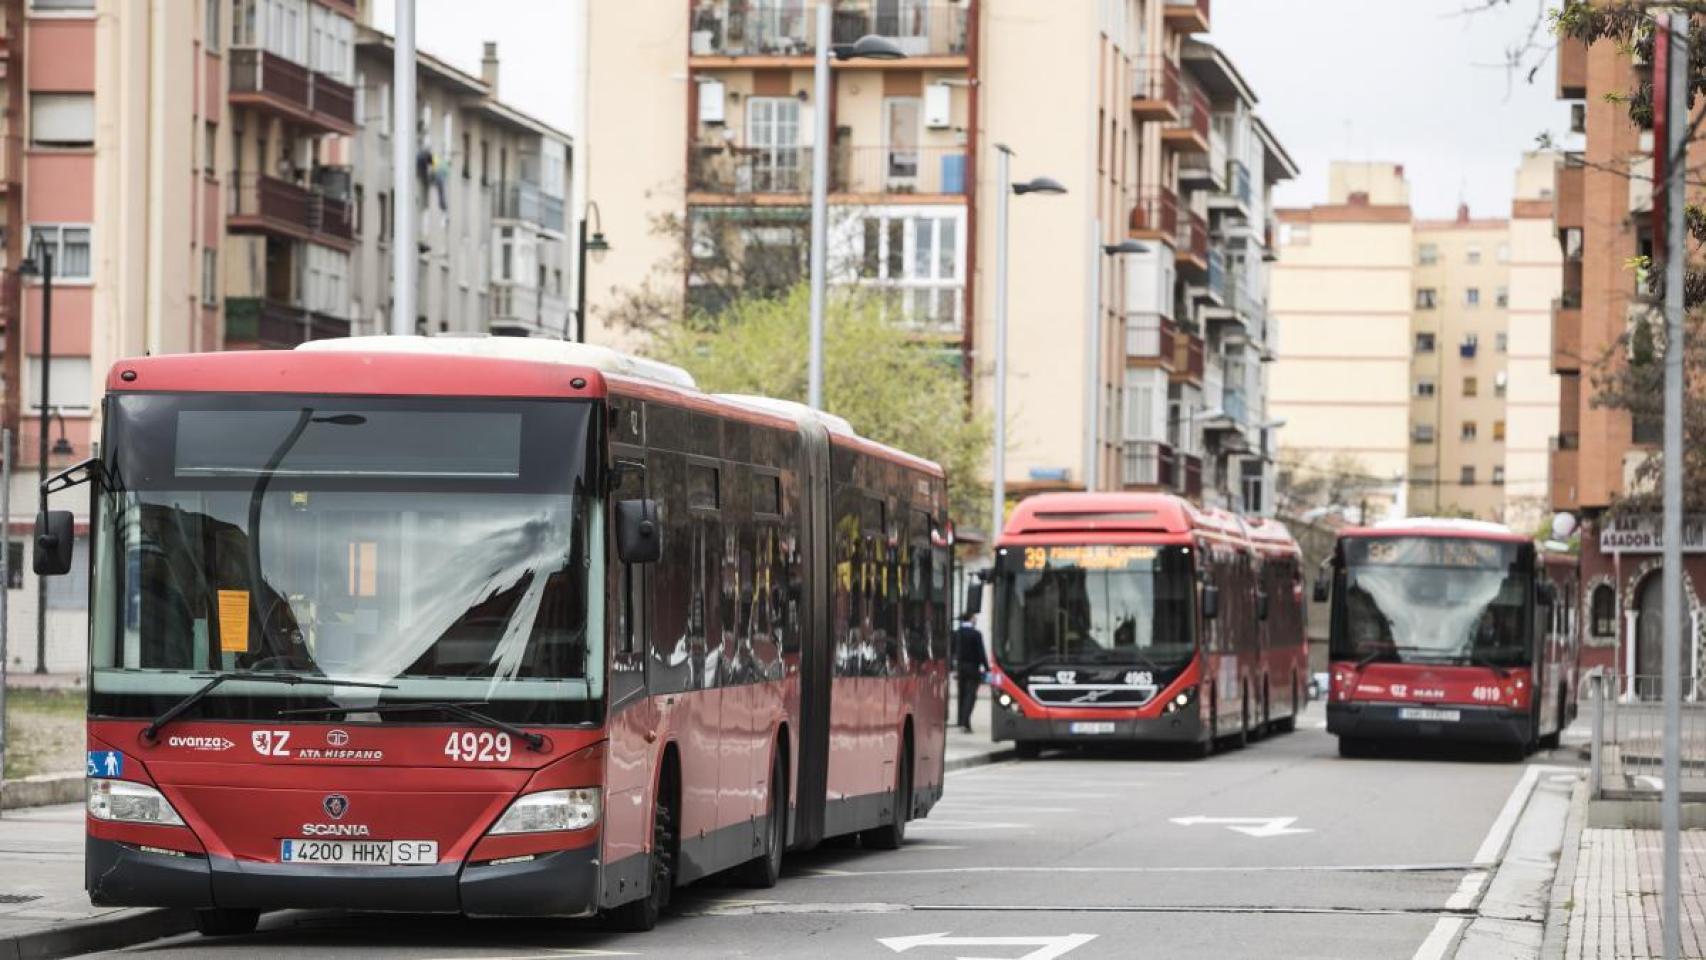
{"points": [[1572, 69], [1149, 336], [928, 309], [1232, 404], [1188, 360], [723, 168], [268, 202], [1572, 180], [1567, 334], [1146, 463], [1193, 236], [787, 28], [1187, 14], [1189, 476], [1155, 87], [1190, 131], [1238, 183], [270, 325], [919, 29], [1156, 214], [1217, 273], [1564, 464], [525, 201], [520, 309], [304, 94], [872, 170]]}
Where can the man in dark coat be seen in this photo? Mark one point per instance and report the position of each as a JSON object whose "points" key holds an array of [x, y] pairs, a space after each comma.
{"points": [[970, 664]]}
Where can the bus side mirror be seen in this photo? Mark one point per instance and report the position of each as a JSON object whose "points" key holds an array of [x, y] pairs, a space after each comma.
{"points": [[55, 536], [639, 535], [1210, 601], [1261, 604], [974, 600], [1322, 586]]}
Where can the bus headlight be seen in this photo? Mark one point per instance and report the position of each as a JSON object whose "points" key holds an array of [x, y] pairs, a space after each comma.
{"points": [[1007, 702], [1180, 701], [550, 810], [125, 801]]}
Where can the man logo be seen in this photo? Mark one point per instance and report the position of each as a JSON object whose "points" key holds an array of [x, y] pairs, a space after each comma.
{"points": [[336, 805], [337, 738]]}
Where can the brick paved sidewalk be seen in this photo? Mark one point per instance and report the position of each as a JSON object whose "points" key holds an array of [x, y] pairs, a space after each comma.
{"points": [[1614, 900]]}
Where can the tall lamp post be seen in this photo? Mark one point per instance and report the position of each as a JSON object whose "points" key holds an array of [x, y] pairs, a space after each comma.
{"points": [[865, 48], [40, 264], [599, 247], [998, 484], [1093, 414]]}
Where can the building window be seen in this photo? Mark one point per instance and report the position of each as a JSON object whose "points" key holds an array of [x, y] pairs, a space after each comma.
{"points": [[210, 28], [467, 158], [1602, 611], [1472, 297], [1471, 387], [70, 387], [1499, 476], [326, 281], [69, 246], [57, 5], [1426, 297], [1424, 343], [384, 216], [62, 120], [1502, 297], [1427, 254], [1502, 340], [1472, 255], [209, 148], [1422, 433], [1424, 388], [914, 256], [485, 162], [1466, 476], [1498, 430], [210, 276], [1468, 431]]}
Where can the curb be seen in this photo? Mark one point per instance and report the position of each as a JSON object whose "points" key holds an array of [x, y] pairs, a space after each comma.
{"points": [[1564, 880], [123, 928], [41, 790], [976, 760]]}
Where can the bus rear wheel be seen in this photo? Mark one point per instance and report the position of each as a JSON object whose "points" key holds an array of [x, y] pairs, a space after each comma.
{"points": [[891, 835], [1288, 723], [224, 922], [765, 869]]}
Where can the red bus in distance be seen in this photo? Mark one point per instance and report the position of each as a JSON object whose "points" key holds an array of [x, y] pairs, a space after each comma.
{"points": [[1454, 630], [492, 627]]}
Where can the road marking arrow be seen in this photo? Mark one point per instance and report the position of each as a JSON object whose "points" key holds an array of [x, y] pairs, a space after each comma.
{"points": [[1047, 948], [1249, 826]]}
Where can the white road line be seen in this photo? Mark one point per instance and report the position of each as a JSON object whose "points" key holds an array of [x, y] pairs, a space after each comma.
{"points": [[1439, 941], [1467, 891], [1348, 868], [1500, 832]]}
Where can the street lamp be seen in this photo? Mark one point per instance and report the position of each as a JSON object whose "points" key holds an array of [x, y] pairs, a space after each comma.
{"points": [[1092, 399], [61, 446], [40, 264], [865, 48], [598, 246], [1046, 185]]}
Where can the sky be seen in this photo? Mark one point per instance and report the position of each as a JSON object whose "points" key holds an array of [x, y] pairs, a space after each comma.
{"points": [[1417, 82]]}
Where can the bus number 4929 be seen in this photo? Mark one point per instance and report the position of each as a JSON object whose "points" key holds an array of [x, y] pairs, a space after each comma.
{"points": [[478, 747]]}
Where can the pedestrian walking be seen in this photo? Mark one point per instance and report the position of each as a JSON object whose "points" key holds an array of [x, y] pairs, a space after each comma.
{"points": [[970, 664]]}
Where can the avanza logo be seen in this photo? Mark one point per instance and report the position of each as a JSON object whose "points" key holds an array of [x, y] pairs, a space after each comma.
{"points": [[200, 743]]}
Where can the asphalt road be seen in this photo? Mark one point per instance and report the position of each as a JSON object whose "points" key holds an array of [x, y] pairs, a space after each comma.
{"points": [[1069, 856]]}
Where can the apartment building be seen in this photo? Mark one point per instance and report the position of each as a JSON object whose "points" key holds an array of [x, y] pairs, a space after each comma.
{"points": [[1415, 349]]}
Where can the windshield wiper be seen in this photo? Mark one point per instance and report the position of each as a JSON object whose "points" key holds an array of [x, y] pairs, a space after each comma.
{"points": [[534, 741], [289, 679], [1383, 651]]}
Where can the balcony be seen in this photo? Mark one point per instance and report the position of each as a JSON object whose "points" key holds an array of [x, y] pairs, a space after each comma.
{"points": [[1232, 404], [1149, 340], [1567, 334], [1205, 171], [525, 311], [255, 323], [1192, 247], [1188, 477], [1186, 16], [890, 170], [1565, 464], [738, 170], [1156, 215], [1146, 463], [266, 81], [920, 30], [1188, 360], [262, 204], [1189, 133], [1155, 90], [1572, 176], [787, 29], [1240, 195], [526, 202], [1572, 57]]}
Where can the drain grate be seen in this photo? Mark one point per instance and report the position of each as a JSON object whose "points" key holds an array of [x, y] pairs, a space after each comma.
{"points": [[17, 897]]}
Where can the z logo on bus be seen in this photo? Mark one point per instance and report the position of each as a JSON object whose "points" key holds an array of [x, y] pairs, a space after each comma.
{"points": [[270, 743]]}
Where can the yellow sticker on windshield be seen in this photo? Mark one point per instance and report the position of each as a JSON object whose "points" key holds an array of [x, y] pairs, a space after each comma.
{"points": [[233, 621]]}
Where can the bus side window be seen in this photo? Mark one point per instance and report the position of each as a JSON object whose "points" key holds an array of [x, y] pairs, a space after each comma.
{"points": [[631, 578]]}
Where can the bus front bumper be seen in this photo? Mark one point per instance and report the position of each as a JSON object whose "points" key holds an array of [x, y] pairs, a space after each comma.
{"points": [[1181, 726], [558, 884], [1386, 721]]}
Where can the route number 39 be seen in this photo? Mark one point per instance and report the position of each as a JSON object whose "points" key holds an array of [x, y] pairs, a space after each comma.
{"points": [[477, 747]]}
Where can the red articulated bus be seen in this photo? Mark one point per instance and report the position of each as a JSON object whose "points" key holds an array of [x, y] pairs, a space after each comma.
{"points": [[1138, 617], [1448, 630], [492, 627]]}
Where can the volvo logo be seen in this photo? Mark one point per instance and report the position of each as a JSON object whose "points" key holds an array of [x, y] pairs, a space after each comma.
{"points": [[1091, 696], [337, 738], [336, 805]]}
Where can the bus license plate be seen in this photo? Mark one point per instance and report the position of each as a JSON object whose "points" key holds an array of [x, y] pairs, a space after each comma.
{"points": [[1427, 713], [360, 853], [1092, 726]]}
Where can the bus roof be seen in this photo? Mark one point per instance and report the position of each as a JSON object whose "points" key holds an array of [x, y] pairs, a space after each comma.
{"points": [[532, 349], [1438, 527]]}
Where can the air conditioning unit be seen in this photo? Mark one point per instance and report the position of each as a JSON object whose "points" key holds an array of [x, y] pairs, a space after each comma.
{"points": [[938, 106]]}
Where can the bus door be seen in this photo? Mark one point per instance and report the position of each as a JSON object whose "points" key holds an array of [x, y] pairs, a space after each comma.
{"points": [[816, 645], [632, 719]]}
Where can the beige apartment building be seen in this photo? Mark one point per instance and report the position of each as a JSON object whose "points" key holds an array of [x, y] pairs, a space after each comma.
{"points": [[1417, 351]]}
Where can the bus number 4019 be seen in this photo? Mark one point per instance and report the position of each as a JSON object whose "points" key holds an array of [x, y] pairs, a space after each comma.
{"points": [[478, 747]]}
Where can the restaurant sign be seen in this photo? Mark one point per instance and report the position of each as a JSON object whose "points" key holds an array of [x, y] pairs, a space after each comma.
{"points": [[1642, 534]]}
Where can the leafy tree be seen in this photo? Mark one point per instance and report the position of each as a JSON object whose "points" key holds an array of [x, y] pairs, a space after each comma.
{"points": [[1309, 484], [890, 387]]}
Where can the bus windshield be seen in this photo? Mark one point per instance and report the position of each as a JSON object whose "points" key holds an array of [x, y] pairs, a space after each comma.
{"points": [[1434, 600], [447, 549], [1101, 604]]}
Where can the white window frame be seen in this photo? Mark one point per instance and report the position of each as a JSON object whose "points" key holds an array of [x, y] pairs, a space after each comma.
{"points": [[40, 100], [943, 221], [58, 246], [61, 376], [210, 276], [773, 141]]}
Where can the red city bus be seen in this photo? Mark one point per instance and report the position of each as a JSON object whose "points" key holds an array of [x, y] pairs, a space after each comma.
{"points": [[1284, 641], [1447, 630], [1133, 616], [492, 627]]}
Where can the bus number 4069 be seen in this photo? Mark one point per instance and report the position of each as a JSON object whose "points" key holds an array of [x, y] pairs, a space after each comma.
{"points": [[477, 747]]}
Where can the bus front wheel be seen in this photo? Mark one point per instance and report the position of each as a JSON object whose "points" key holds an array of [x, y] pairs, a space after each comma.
{"points": [[1027, 749], [224, 922]]}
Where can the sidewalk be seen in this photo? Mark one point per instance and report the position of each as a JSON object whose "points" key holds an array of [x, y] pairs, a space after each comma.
{"points": [[43, 909], [1613, 910], [973, 749]]}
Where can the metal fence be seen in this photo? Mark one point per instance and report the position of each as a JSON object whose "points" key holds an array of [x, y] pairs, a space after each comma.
{"points": [[1628, 737]]}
